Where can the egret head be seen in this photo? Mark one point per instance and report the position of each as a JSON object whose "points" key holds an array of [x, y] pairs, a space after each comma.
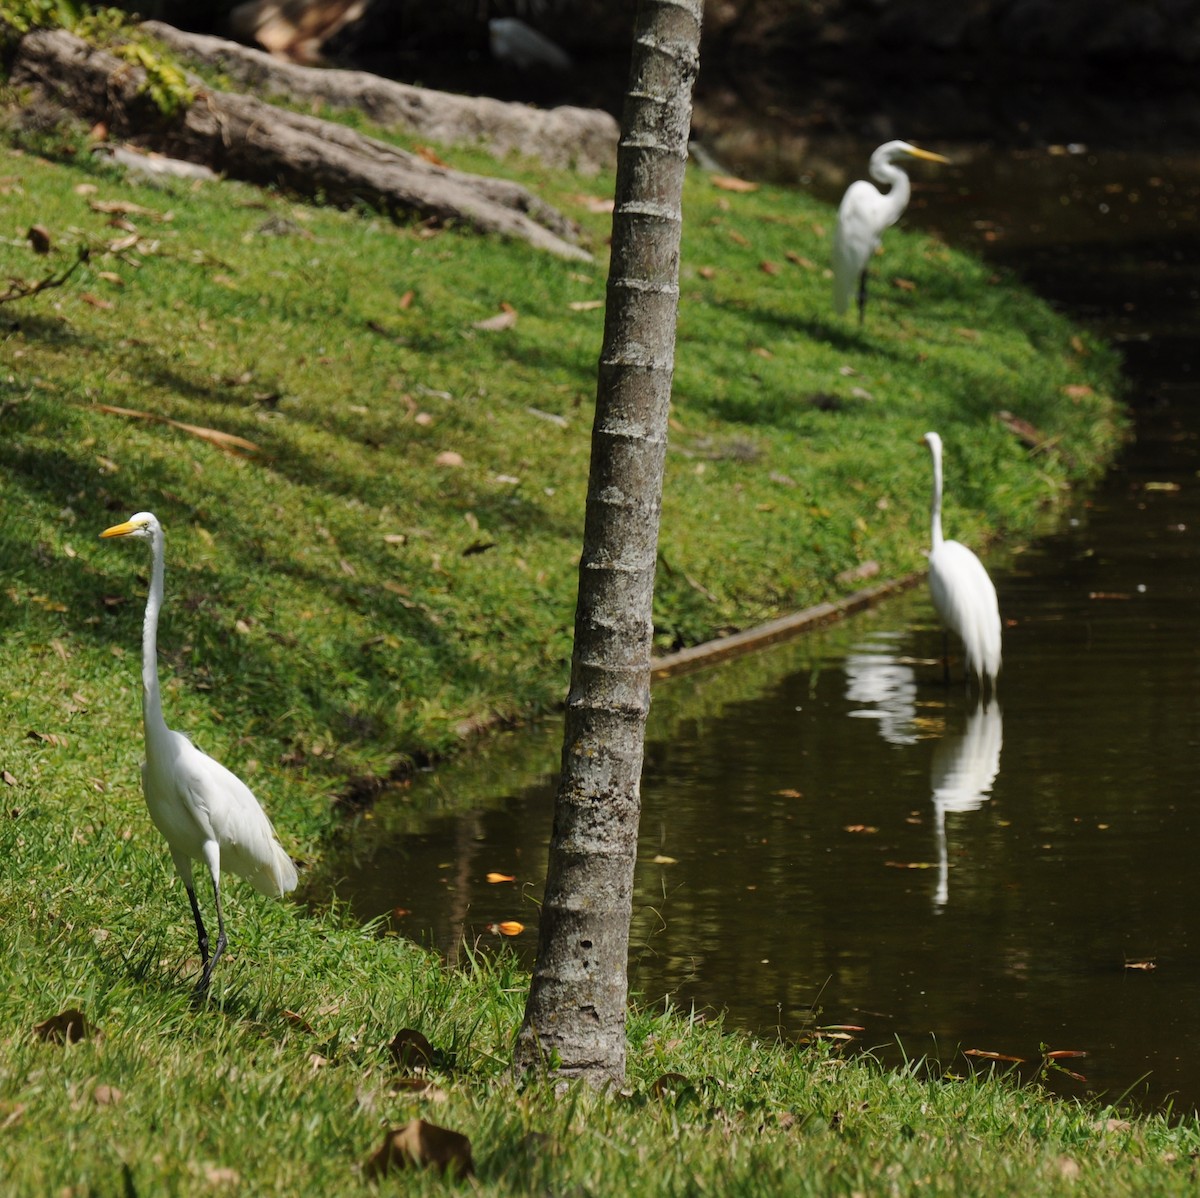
{"points": [[141, 524], [887, 153], [933, 441]]}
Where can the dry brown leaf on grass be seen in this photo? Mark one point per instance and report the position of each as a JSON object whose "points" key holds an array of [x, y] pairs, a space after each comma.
{"points": [[411, 1050], [39, 239], [229, 443], [7, 778], [449, 458], [422, 1145], [125, 208], [106, 1095], [504, 319], [67, 1027], [732, 183], [597, 204]]}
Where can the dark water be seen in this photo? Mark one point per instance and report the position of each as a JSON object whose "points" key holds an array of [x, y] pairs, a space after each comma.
{"points": [[830, 836]]}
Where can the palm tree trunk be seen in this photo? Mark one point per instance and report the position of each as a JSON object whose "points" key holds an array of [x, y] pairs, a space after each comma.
{"points": [[575, 1016]]}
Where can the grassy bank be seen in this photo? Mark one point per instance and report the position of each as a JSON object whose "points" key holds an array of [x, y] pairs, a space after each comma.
{"points": [[392, 564]]}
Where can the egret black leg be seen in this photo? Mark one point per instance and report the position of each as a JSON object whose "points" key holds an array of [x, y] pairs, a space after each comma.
{"points": [[946, 657], [209, 966], [862, 298], [201, 931]]}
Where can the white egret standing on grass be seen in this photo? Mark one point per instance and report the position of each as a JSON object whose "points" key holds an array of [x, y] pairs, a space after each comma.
{"points": [[205, 812], [962, 592], [864, 214]]}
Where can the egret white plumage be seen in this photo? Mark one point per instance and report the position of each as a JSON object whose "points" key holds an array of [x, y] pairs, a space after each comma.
{"points": [[864, 213], [205, 812], [962, 592]]}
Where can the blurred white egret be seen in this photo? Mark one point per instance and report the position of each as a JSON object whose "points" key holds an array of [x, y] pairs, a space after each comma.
{"points": [[205, 812], [962, 592], [520, 45], [864, 214]]}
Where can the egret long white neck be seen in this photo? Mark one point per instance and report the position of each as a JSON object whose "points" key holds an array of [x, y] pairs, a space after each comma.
{"points": [[152, 714], [901, 189], [935, 508]]}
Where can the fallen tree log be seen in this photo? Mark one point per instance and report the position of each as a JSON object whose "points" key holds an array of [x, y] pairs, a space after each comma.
{"points": [[249, 139], [581, 138]]}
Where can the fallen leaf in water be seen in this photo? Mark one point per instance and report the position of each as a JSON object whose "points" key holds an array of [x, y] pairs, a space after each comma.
{"points": [[911, 864], [985, 1055], [731, 183], [865, 828], [1109, 595], [662, 859], [1147, 965], [789, 792], [1168, 487], [422, 1145], [507, 927], [495, 878], [1063, 1054]]}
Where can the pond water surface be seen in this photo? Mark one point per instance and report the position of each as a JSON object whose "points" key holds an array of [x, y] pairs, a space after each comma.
{"points": [[830, 836]]}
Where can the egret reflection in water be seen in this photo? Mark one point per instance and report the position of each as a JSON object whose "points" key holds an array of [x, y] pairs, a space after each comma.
{"points": [[964, 768], [877, 676]]}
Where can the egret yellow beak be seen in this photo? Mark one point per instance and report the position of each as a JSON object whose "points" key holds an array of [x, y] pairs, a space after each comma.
{"points": [[120, 530], [929, 156]]}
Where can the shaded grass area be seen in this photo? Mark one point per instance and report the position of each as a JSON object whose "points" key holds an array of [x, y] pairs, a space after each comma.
{"points": [[396, 563]]}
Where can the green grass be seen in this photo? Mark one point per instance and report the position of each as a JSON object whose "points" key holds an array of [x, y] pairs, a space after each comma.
{"points": [[341, 602]]}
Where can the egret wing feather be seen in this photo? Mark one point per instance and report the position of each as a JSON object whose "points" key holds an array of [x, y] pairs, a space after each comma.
{"points": [[859, 224], [965, 600], [227, 809]]}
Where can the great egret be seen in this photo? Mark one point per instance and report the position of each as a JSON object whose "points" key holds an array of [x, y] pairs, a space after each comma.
{"points": [[864, 214], [962, 592], [205, 812]]}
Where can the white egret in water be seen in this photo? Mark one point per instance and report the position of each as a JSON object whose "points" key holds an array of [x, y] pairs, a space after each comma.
{"points": [[962, 592], [205, 812], [864, 214]]}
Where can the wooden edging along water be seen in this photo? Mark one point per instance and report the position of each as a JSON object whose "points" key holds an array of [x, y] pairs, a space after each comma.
{"points": [[711, 652]]}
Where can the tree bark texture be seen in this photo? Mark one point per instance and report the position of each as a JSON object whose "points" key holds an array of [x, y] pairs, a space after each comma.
{"points": [[566, 137], [575, 1016], [252, 140]]}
